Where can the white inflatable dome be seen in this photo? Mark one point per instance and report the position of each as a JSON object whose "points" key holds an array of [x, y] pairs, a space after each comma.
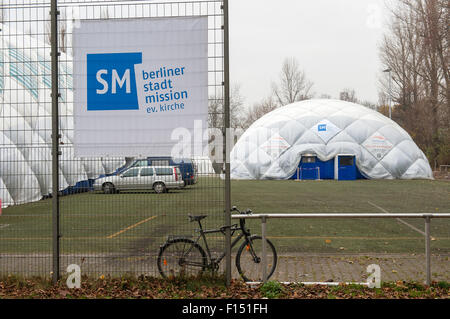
{"points": [[272, 147], [25, 123]]}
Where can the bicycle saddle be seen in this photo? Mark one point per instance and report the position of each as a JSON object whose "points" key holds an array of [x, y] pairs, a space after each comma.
{"points": [[196, 218]]}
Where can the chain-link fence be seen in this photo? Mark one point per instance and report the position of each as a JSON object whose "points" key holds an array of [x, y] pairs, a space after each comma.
{"points": [[107, 229]]}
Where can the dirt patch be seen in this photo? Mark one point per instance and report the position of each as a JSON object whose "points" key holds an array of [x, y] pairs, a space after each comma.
{"points": [[142, 245]]}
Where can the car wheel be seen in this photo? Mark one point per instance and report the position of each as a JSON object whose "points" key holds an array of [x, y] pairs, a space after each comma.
{"points": [[108, 188], [159, 188]]}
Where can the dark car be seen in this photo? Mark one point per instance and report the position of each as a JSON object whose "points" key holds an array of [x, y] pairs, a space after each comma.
{"points": [[187, 166]]}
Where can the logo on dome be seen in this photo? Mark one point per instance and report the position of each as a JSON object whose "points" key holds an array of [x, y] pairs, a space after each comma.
{"points": [[325, 130], [378, 145]]}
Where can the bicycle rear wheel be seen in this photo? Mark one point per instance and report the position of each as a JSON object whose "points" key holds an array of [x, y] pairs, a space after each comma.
{"points": [[249, 259], [181, 258]]}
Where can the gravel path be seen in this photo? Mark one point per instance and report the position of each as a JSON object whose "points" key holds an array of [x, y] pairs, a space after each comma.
{"points": [[290, 268]]}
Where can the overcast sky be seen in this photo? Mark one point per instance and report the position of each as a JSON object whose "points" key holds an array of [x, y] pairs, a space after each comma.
{"points": [[335, 42]]}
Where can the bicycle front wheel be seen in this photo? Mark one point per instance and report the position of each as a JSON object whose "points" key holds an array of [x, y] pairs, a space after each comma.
{"points": [[249, 259], [181, 258]]}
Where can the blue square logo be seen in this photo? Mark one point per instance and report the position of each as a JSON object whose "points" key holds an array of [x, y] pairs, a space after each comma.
{"points": [[111, 81], [322, 128]]}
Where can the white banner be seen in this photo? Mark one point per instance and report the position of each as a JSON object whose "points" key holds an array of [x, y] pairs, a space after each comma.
{"points": [[140, 86], [378, 145]]}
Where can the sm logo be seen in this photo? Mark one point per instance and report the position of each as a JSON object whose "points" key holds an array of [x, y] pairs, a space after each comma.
{"points": [[322, 127], [111, 81]]}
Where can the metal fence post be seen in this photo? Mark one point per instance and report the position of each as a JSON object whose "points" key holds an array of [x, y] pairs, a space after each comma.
{"points": [[427, 218], [427, 249], [40, 69], [225, 150], [264, 249], [55, 139]]}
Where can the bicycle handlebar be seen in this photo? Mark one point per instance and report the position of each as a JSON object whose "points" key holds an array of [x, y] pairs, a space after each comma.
{"points": [[247, 212], [242, 220]]}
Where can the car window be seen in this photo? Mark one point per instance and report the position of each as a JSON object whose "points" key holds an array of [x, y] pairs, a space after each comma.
{"points": [[142, 163], [131, 172], [163, 171], [160, 162], [147, 171], [139, 163]]}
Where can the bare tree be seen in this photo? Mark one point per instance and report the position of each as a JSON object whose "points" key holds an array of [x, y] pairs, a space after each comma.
{"points": [[258, 110], [369, 104], [216, 122], [348, 95], [325, 96], [216, 109], [293, 85], [416, 49]]}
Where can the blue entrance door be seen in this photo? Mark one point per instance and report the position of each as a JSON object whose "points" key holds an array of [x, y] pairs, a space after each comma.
{"points": [[309, 168], [346, 168]]}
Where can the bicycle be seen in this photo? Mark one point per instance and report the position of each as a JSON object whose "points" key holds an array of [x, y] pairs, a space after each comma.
{"points": [[182, 256]]}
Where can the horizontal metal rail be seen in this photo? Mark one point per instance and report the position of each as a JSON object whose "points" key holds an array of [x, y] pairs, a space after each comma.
{"points": [[425, 216], [342, 215]]}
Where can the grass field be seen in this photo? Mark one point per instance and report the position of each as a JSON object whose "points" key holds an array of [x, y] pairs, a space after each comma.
{"points": [[136, 223], [362, 196]]}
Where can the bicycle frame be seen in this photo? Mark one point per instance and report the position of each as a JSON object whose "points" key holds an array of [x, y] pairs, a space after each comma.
{"points": [[215, 261], [233, 243], [193, 253]]}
